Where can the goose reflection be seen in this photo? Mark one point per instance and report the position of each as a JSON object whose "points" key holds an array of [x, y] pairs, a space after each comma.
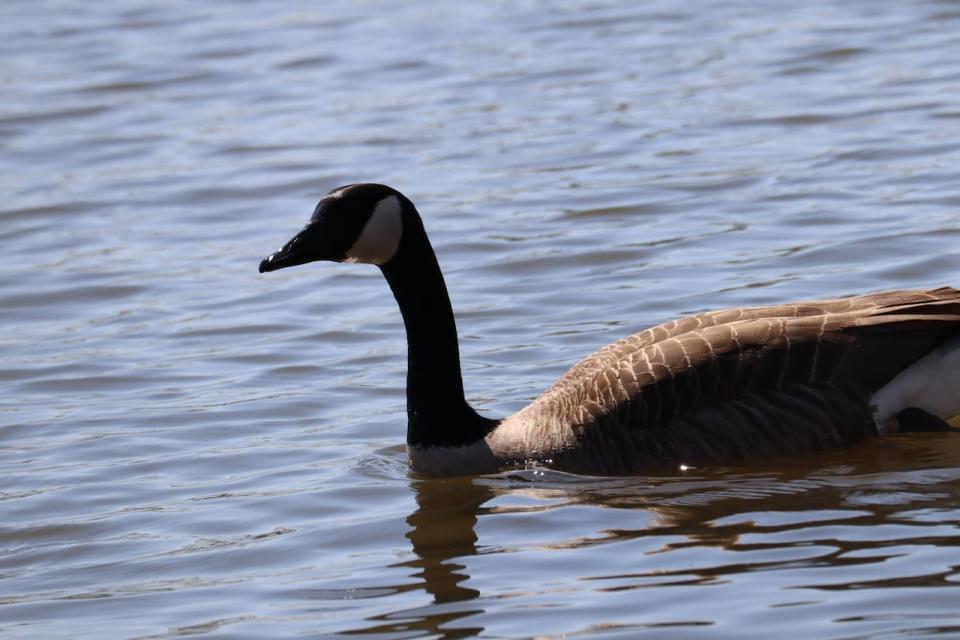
{"points": [[442, 529], [727, 510], [442, 532]]}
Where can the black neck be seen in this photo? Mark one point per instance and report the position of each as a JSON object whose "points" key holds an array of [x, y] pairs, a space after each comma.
{"points": [[437, 412]]}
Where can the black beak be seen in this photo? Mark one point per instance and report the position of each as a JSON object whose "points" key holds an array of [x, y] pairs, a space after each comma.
{"points": [[300, 250]]}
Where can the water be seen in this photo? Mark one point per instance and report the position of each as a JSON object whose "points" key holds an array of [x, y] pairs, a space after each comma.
{"points": [[191, 448]]}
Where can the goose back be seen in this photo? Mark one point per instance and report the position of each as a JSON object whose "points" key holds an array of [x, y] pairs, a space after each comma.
{"points": [[735, 384]]}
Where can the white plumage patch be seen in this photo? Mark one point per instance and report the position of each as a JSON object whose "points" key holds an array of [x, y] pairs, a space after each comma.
{"points": [[380, 238], [932, 383]]}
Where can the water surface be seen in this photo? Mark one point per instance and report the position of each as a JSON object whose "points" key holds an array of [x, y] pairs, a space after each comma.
{"points": [[191, 448]]}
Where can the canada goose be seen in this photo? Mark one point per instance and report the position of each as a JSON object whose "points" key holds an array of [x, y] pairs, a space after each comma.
{"points": [[723, 386]]}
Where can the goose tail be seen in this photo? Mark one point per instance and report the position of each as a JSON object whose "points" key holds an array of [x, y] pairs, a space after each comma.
{"points": [[931, 384]]}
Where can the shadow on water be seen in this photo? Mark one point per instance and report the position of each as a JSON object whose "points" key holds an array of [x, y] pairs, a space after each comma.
{"points": [[788, 516]]}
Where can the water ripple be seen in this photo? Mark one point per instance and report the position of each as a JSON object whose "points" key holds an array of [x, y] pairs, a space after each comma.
{"points": [[189, 447]]}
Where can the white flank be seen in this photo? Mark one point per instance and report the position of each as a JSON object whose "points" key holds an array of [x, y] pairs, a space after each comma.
{"points": [[380, 238], [932, 383]]}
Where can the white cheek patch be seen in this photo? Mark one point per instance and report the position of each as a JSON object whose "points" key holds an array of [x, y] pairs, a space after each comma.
{"points": [[380, 238]]}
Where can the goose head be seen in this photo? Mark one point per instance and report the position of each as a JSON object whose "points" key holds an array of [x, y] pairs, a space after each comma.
{"points": [[355, 223]]}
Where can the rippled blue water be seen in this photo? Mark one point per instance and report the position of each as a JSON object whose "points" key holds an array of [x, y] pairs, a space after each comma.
{"points": [[191, 448]]}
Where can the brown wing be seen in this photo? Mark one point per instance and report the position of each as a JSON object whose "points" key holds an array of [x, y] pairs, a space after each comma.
{"points": [[755, 380], [859, 306]]}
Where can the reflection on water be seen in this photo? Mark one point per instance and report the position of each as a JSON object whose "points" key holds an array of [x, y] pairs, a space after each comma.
{"points": [[442, 533], [886, 502]]}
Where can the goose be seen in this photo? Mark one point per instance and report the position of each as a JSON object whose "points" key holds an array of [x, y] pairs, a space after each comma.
{"points": [[722, 387]]}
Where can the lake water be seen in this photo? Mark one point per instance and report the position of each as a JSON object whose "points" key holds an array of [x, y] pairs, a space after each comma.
{"points": [[190, 448]]}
